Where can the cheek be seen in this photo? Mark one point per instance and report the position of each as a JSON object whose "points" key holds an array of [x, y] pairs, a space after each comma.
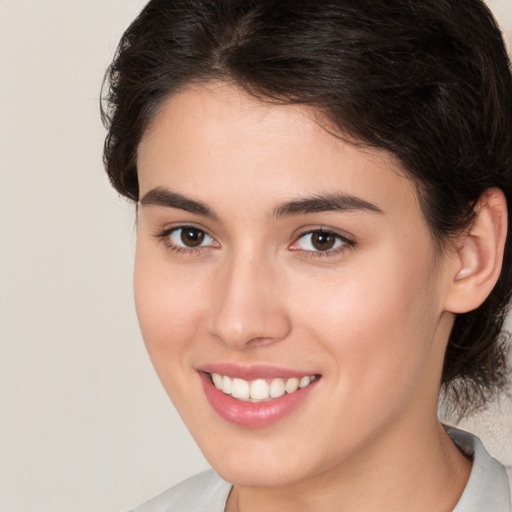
{"points": [[378, 326], [168, 304]]}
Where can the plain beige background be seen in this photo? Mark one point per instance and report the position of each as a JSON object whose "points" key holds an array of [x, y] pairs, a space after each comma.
{"points": [[84, 423]]}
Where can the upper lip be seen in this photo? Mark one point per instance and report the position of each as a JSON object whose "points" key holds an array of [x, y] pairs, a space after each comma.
{"points": [[252, 372]]}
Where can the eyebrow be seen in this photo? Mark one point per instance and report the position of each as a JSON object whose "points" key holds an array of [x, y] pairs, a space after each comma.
{"points": [[325, 203], [320, 203], [162, 197]]}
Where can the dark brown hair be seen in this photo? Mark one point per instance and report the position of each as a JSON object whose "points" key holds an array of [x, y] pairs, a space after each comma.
{"points": [[427, 80]]}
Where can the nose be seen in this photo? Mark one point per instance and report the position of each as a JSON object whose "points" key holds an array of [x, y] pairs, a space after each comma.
{"points": [[248, 305]]}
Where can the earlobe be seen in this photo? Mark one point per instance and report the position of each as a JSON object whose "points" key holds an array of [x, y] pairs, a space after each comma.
{"points": [[479, 256]]}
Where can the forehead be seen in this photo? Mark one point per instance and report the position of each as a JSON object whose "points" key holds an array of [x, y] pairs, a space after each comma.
{"points": [[220, 145]]}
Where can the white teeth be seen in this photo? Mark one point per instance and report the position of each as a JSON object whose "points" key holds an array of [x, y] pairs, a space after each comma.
{"points": [[277, 388], [260, 389], [292, 385], [240, 389], [218, 380], [304, 382], [227, 385]]}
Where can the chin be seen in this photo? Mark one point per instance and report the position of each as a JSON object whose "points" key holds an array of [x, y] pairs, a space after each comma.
{"points": [[264, 474], [258, 463]]}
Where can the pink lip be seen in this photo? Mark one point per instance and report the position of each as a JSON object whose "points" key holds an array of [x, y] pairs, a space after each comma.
{"points": [[248, 414], [252, 372]]}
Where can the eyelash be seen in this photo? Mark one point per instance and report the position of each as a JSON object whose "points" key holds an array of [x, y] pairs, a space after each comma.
{"points": [[347, 244], [164, 237]]}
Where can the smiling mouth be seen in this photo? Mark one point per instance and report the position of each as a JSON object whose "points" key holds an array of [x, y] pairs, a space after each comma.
{"points": [[259, 390]]}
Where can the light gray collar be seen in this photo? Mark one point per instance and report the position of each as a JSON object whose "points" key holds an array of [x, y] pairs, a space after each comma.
{"points": [[488, 486]]}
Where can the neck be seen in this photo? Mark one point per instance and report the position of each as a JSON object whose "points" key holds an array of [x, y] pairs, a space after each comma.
{"points": [[397, 472]]}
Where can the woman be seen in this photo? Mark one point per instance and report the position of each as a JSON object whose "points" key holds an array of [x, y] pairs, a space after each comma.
{"points": [[322, 194]]}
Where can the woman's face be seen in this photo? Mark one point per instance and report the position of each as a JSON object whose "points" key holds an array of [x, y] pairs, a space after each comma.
{"points": [[271, 255]]}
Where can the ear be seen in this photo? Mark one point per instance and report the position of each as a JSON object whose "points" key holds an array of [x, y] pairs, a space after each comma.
{"points": [[478, 256]]}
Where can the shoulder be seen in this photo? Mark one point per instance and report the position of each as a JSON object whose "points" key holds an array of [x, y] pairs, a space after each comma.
{"points": [[204, 492], [508, 469], [488, 487]]}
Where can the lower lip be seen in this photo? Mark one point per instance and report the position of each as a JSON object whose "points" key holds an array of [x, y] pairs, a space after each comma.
{"points": [[249, 414]]}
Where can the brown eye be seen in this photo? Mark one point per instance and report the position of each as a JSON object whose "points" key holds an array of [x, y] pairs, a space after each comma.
{"points": [[322, 241], [192, 237], [189, 237]]}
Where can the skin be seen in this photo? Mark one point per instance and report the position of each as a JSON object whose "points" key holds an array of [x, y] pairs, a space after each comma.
{"points": [[370, 316]]}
